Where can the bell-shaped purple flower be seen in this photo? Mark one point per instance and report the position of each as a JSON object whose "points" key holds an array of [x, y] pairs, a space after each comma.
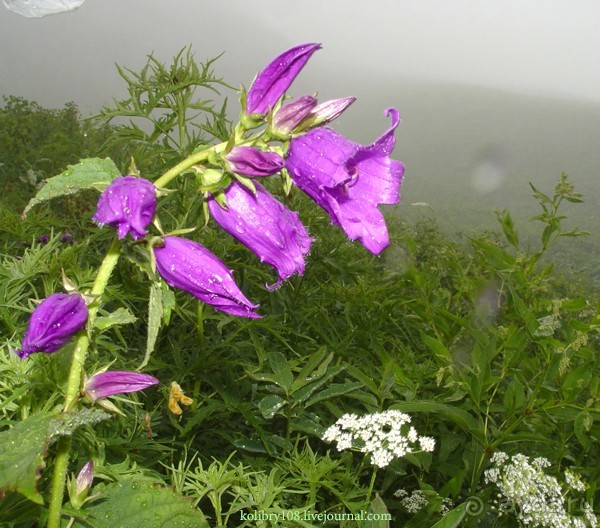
{"points": [[349, 180], [106, 384], [272, 82], [251, 161], [289, 116], [189, 266], [265, 226], [54, 321], [127, 204]]}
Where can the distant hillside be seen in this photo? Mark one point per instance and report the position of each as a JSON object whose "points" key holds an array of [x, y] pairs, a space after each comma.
{"points": [[469, 150]]}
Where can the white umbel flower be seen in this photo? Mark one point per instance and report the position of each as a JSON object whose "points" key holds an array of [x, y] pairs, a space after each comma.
{"points": [[385, 436]]}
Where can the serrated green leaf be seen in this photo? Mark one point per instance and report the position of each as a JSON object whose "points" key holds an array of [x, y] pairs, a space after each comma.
{"points": [[333, 391], [305, 391], [155, 316], [269, 405], [283, 375], [23, 448], [131, 504], [119, 317], [90, 173]]}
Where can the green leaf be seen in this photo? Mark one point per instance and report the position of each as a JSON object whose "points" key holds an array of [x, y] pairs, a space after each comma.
{"points": [[131, 504], [155, 315], [453, 518], [269, 405], [90, 173], [119, 317], [284, 377], [333, 391], [440, 351], [23, 448], [582, 424], [455, 414], [380, 514]]}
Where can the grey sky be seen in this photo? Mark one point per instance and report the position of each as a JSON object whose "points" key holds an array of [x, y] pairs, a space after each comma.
{"points": [[541, 47]]}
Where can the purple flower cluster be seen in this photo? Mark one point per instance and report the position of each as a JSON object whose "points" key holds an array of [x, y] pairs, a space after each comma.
{"points": [[347, 179]]}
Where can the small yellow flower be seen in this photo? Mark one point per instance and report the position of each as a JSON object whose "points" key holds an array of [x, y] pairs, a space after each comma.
{"points": [[176, 396]]}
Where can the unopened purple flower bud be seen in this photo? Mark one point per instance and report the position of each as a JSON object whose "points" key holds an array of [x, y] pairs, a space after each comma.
{"points": [[272, 82], [80, 488], [189, 266], [265, 226], [84, 480], [54, 321], [289, 116], [43, 239], [251, 161], [327, 112], [127, 204], [106, 384]]}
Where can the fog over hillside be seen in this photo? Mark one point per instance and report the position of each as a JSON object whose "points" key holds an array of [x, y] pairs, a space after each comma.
{"points": [[470, 150]]}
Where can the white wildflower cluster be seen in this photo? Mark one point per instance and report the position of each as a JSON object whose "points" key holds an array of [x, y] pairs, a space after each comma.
{"points": [[385, 436], [537, 499], [418, 499]]}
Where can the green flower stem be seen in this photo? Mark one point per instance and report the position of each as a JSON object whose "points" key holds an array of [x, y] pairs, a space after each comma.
{"points": [[371, 484], [61, 460], [187, 163]]}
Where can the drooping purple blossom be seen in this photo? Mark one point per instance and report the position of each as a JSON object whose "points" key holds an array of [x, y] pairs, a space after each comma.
{"points": [[54, 321], [189, 266], [349, 180], [106, 384], [265, 226], [127, 204], [289, 116], [251, 161], [272, 82]]}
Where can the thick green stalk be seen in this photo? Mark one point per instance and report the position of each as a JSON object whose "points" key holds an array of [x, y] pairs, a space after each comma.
{"points": [[187, 163], [61, 460]]}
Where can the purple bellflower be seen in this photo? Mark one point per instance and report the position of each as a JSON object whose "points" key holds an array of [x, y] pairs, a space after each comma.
{"points": [[189, 266], [265, 226], [54, 321], [272, 82], [289, 116], [127, 204], [349, 180], [106, 384], [251, 161]]}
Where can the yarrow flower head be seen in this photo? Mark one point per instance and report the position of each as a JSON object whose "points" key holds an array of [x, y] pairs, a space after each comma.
{"points": [[265, 226], [189, 266], [272, 82], [127, 204], [54, 322], [539, 498], [385, 436], [349, 180]]}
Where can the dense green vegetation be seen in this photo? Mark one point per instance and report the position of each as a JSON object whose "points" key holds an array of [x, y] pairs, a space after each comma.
{"points": [[480, 340]]}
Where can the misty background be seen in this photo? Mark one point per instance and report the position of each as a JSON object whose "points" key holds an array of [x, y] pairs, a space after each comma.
{"points": [[492, 95]]}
